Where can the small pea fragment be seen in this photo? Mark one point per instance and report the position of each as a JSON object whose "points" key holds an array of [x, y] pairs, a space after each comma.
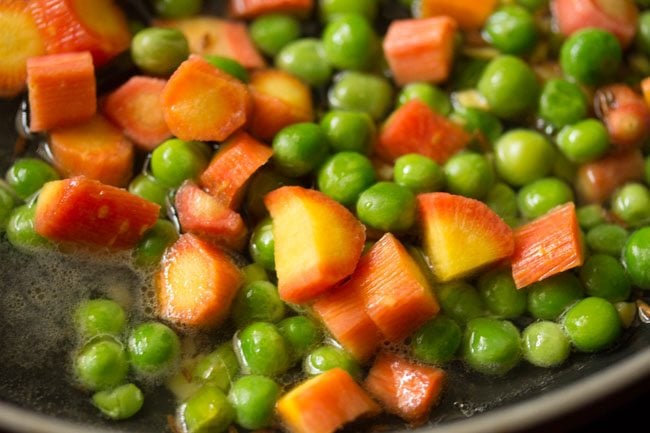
{"points": [[547, 299], [491, 346], [562, 103], [540, 196], [356, 91], [148, 187], [522, 156], [484, 126], [177, 8], [627, 312], [262, 350], [101, 364], [28, 175], [607, 239], [301, 334], [219, 367], [590, 216], [262, 245], [305, 58], [469, 174], [591, 56], [592, 324], [350, 42], [207, 411], [511, 29], [229, 66], [418, 173], [584, 141], [176, 160], [604, 276], [258, 301], [7, 204], [159, 51], [500, 295], [545, 344], [503, 201], [437, 341], [21, 232], [154, 349], [327, 357], [254, 272], [631, 204], [299, 149], [345, 175], [643, 32], [272, 32], [636, 258], [99, 317], [264, 181], [253, 398], [349, 131], [460, 301], [332, 9], [431, 95], [154, 242], [119, 403], [387, 206]]}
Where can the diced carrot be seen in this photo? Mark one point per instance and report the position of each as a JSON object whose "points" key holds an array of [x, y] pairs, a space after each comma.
{"points": [[318, 242], [61, 90], [625, 114], [616, 16], [95, 149], [97, 26], [405, 388], [200, 102], [232, 166], [324, 403], [253, 8], [596, 181], [20, 41], [645, 88], [416, 128], [201, 214], [83, 211], [136, 107], [211, 35], [279, 99], [547, 246], [196, 283], [342, 310], [452, 224], [470, 14], [420, 49]]}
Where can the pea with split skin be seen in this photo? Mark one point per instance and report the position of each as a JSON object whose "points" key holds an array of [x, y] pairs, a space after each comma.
{"points": [[121, 402]]}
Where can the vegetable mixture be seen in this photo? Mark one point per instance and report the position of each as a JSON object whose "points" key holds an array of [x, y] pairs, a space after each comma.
{"points": [[343, 197]]}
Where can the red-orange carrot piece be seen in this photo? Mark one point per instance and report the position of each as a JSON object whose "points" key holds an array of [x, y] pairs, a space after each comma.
{"points": [[136, 107], [420, 49], [201, 214], [470, 14], [200, 102], [97, 26], [597, 180], [61, 90], [645, 88], [196, 283], [82, 211], [405, 388], [415, 128], [232, 166], [342, 310], [625, 114], [20, 41], [211, 35], [95, 149], [547, 246], [324, 403], [254, 8]]}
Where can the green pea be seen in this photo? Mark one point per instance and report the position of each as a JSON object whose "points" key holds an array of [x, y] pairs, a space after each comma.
{"points": [[510, 87], [150, 188], [437, 341], [522, 156], [21, 232], [159, 51], [259, 301], [254, 272], [485, 127], [547, 299], [387, 206], [592, 324], [154, 242], [500, 295], [533, 5], [584, 141], [299, 149], [306, 59], [591, 56], [350, 42], [262, 350], [545, 344], [101, 364], [345, 175], [604, 276], [253, 398], [207, 411], [177, 8], [511, 29], [119, 403], [7, 204], [218, 368], [636, 257], [460, 301], [326, 357], [154, 349], [643, 32], [562, 103], [262, 245], [301, 334], [229, 66], [491, 346], [591, 215], [503, 200], [333, 9], [607, 239], [356, 91], [99, 317], [418, 173], [627, 312], [272, 32], [469, 174], [176, 160], [431, 95], [542, 195], [262, 182], [349, 131], [631, 204], [28, 175]]}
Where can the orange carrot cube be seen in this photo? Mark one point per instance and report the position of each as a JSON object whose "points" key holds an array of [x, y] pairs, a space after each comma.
{"points": [[420, 49], [253, 8], [470, 14], [61, 90]]}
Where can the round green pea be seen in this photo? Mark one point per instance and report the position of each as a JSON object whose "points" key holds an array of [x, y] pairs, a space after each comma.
{"points": [[349, 131], [591, 56], [592, 324], [460, 301], [301, 334], [272, 32], [229, 66], [253, 398], [207, 411], [484, 126], [607, 239], [562, 103], [119, 403], [332, 9], [437, 341], [350, 42], [327, 357], [511, 29], [547, 299], [631, 204], [431, 95], [258, 301], [154, 242], [503, 200], [545, 344], [101, 364], [491, 346], [262, 245], [254, 272], [219, 367], [542, 195], [154, 349], [299, 149], [345, 175], [356, 91], [636, 257], [99, 317], [590, 216], [418, 173], [176, 160], [500, 295], [584, 141], [262, 350], [21, 232], [28, 175], [604, 276], [469, 174], [159, 51], [306, 59], [177, 8], [148, 187], [387, 206], [522, 156]]}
